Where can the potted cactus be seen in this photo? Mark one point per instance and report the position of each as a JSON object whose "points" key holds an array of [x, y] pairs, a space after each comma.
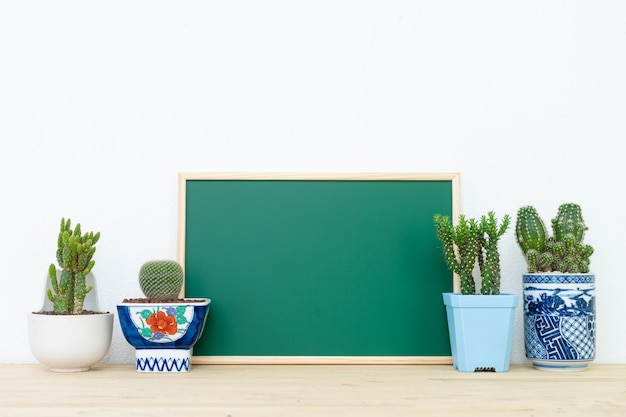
{"points": [[559, 291], [162, 327], [480, 321], [70, 308]]}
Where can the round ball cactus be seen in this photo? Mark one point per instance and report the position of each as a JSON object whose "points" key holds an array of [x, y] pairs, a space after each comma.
{"points": [[161, 279]]}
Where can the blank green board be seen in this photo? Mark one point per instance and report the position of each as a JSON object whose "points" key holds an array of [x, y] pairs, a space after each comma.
{"points": [[314, 268]]}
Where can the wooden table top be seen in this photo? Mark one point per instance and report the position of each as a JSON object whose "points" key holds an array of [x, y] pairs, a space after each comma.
{"points": [[313, 390]]}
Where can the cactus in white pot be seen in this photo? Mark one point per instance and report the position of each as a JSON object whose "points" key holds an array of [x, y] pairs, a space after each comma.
{"points": [[70, 333], [74, 255]]}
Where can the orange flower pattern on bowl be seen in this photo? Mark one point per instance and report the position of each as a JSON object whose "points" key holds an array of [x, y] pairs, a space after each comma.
{"points": [[162, 324]]}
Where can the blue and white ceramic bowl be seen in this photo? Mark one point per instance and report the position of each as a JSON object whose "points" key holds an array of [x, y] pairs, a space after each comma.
{"points": [[163, 333]]}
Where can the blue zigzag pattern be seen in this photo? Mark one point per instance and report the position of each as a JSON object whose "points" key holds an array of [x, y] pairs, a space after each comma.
{"points": [[163, 364]]}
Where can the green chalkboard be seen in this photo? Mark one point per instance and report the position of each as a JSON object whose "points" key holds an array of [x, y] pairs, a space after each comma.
{"points": [[317, 266]]}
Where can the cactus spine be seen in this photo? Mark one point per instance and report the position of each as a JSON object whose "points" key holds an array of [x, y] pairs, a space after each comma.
{"points": [[564, 251], [161, 280], [472, 241], [74, 255]]}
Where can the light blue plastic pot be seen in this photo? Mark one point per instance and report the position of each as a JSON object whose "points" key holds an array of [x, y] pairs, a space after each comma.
{"points": [[481, 330]]}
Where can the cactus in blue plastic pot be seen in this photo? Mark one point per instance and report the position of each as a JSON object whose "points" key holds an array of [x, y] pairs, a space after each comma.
{"points": [[161, 279], [460, 248], [489, 257], [74, 255], [565, 250], [473, 242]]}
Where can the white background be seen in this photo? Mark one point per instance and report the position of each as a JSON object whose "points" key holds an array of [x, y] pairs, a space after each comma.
{"points": [[103, 103]]}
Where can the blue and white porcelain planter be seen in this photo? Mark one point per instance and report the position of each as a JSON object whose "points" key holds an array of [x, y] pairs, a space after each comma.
{"points": [[163, 334], [559, 320], [481, 330]]}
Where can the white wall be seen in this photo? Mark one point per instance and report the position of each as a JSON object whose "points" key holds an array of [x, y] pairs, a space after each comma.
{"points": [[103, 103]]}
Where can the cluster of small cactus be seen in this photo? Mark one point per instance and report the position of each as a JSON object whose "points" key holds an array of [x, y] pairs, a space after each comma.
{"points": [[473, 241], [161, 279], [74, 255], [564, 251]]}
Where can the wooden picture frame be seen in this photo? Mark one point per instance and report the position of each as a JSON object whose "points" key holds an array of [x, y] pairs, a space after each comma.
{"points": [[298, 180]]}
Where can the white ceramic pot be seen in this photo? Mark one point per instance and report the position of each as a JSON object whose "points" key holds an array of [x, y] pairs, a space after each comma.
{"points": [[70, 343]]}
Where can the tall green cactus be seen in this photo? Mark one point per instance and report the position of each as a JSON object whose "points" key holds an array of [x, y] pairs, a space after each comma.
{"points": [[489, 256], [74, 255], [161, 280], [531, 236], [469, 242], [460, 248], [564, 251]]}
